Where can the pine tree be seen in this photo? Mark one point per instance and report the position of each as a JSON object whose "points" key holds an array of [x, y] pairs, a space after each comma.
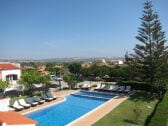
{"points": [[151, 55]]}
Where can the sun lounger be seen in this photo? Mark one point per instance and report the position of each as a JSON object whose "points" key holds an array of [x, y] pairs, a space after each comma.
{"points": [[111, 88], [44, 96], [49, 95], [86, 86], [30, 101], [101, 88], [37, 99], [23, 103], [98, 87], [105, 88], [16, 106], [115, 88], [121, 88], [127, 89]]}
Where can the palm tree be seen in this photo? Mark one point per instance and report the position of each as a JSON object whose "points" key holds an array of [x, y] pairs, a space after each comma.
{"points": [[69, 78]]}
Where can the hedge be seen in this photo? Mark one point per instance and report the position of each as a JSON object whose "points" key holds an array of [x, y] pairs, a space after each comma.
{"points": [[137, 85], [160, 117]]}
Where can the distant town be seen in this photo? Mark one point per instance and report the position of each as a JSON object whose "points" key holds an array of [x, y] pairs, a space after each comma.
{"points": [[73, 59]]}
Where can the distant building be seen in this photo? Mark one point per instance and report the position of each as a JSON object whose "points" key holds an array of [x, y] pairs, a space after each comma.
{"points": [[117, 62], [104, 61], [59, 66], [10, 71], [86, 64], [43, 71]]}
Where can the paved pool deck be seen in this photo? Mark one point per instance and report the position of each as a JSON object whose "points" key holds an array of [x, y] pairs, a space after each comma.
{"points": [[88, 119]]}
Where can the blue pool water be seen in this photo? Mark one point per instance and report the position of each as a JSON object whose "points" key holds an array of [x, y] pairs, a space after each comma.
{"points": [[65, 112], [96, 94]]}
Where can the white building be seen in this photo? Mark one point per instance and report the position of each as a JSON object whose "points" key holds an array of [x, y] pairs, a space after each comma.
{"points": [[10, 71], [104, 61], [119, 62]]}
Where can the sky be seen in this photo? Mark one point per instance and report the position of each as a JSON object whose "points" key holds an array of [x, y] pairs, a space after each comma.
{"points": [[41, 29]]}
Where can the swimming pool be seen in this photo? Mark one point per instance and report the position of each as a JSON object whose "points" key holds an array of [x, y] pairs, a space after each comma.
{"points": [[65, 112], [95, 94]]}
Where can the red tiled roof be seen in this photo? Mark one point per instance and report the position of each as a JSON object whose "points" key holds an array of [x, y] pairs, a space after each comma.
{"points": [[45, 72], [14, 118], [8, 67], [1, 122]]}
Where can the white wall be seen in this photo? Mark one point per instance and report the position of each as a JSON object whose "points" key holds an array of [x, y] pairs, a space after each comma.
{"points": [[4, 73], [120, 62]]}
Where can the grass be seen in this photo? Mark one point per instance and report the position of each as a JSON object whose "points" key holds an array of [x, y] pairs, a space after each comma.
{"points": [[132, 112], [160, 117]]}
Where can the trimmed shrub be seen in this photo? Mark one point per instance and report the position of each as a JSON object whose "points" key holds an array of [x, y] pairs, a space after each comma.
{"points": [[137, 85]]}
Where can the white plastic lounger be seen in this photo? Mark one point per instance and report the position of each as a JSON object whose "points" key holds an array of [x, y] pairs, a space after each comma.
{"points": [[111, 88], [102, 87], [23, 103], [128, 89], [98, 87], [17, 106], [86, 86], [105, 88]]}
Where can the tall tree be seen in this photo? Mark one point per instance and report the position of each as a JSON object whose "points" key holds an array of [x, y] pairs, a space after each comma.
{"points": [[69, 78], [75, 68], [31, 77], [3, 85], [150, 57]]}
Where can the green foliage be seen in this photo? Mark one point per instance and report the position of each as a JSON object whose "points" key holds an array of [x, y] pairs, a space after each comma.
{"points": [[150, 58], [101, 71], [51, 68], [3, 84], [137, 85], [30, 64], [69, 78], [74, 68], [31, 77], [160, 117]]}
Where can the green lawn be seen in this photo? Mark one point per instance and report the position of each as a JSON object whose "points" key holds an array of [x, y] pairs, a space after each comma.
{"points": [[124, 115], [160, 117]]}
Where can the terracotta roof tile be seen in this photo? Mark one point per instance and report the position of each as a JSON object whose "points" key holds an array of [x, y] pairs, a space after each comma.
{"points": [[8, 67], [14, 118]]}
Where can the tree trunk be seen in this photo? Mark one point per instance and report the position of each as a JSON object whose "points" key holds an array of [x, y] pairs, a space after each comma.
{"points": [[59, 84]]}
